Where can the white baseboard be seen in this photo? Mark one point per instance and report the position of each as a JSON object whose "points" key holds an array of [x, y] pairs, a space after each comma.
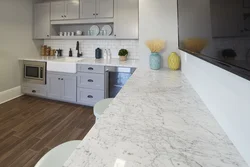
{"points": [[10, 94]]}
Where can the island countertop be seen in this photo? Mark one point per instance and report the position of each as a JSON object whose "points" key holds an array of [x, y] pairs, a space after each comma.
{"points": [[157, 120]]}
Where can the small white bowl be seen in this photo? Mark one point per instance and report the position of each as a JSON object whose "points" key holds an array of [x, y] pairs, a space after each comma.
{"points": [[78, 32]]}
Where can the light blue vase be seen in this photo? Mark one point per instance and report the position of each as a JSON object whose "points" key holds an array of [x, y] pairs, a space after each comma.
{"points": [[155, 61]]}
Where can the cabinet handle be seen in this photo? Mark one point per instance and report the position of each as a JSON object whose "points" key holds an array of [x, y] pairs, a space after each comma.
{"points": [[62, 79], [90, 80], [65, 16], [89, 96], [96, 14], [33, 91], [90, 68], [62, 15], [59, 78], [47, 35]]}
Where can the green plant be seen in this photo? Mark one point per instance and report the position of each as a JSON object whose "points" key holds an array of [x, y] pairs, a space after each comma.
{"points": [[123, 52]]}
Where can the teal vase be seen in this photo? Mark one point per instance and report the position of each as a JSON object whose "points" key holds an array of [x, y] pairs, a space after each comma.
{"points": [[155, 61]]}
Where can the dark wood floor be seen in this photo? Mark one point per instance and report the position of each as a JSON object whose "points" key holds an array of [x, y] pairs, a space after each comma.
{"points": [[30, 127]]}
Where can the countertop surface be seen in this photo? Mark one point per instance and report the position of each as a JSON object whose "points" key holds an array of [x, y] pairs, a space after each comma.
{"points": [[89, 61], [157, 120]]}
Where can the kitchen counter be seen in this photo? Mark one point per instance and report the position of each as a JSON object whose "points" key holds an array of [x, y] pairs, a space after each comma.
{"points": [[156, 120], [89, 61]]}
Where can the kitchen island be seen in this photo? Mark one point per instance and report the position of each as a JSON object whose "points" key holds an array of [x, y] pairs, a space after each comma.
{"points": [[156, 120]]}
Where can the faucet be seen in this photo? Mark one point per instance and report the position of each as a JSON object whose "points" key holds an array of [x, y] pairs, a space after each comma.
{"points": [[78, 49]]}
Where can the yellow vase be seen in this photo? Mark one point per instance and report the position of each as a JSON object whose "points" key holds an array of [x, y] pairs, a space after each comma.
{"points": [[174, 61]]}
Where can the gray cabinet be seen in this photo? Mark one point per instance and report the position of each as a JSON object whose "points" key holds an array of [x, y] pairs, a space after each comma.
{"points": [[34, 89], [91, 9], [42, 21], [89, 96], [126, 21], [104, 8], [61, 10], [90, 84], [62, 86]]}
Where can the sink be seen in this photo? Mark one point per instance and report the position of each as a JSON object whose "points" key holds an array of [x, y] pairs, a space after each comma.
{"points": [[65, 64]]}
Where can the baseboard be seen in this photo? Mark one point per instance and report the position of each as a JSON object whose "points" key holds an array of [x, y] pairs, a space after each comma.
{"points": [[10, 94]]}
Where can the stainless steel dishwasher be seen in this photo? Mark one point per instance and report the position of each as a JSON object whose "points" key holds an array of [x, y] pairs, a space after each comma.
{"points": [[115, 79]]}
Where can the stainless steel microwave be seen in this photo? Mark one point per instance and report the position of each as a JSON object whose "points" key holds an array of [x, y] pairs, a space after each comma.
{"points": [[35, 72]]}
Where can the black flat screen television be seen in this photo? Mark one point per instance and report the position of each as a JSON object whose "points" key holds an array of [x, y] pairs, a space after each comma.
{"points": [[217, 31]]}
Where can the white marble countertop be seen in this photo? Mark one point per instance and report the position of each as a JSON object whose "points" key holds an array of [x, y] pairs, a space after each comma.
{"points": [[89, 61], [157, 120]]}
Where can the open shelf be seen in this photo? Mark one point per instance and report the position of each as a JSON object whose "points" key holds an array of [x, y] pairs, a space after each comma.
{"points": [[83, 37]]}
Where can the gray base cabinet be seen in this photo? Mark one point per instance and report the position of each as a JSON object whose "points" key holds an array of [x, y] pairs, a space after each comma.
{"points": [[34, 89], [62, 86], [90, 84], [89, 96]]}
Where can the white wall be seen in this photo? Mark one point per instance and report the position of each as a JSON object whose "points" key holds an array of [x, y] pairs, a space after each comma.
{"points": [[16, 40], [158, 19], [226, 95]]}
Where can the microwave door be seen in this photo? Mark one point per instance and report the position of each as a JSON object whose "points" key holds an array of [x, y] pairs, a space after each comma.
{"points": [[32, 72]]}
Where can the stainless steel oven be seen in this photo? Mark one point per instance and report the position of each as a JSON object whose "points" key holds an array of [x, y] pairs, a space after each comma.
{"points": [[35, 72], [115, 79]]}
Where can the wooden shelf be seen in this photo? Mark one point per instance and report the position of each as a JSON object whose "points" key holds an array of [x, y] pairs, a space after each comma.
{"points": [[82, 37]]}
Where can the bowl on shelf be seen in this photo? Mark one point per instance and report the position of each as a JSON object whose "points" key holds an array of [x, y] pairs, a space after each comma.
{"points": [[78, 32]]}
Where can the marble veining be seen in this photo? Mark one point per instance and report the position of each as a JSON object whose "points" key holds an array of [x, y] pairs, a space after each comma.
{"points": [[157, 120]]}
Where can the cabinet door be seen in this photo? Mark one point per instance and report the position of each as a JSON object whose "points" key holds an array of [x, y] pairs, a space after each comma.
{"points": [[42, 21], [126, 19], [87, 9], [57, 10], [104, 8], [72, 9], [69, 88], [54, 86]]}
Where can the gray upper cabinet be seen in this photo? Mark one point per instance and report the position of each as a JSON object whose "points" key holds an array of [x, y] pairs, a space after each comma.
{"points": [[61, 10], [104, 8], [126, 21], [87, 9], [91, 9], [62, 87], [42, 21], [57, 10], [72, 9]]}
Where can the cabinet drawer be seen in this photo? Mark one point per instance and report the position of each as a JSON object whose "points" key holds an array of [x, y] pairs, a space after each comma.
{"points": [[90, 68], [88, 96], [92, 81], [34, 91]]}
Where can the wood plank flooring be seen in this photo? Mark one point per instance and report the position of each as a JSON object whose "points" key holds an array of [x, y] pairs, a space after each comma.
{"points": [[30, 127]]}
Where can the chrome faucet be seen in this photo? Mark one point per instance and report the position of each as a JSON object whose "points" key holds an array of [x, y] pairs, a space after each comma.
{"points": [[78, 49]]}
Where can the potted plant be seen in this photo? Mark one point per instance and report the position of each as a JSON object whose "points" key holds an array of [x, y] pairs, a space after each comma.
{"points": [[123, 53]]}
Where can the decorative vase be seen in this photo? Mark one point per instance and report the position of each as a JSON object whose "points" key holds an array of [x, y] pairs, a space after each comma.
{"points": [[174, 61], [123, 58], [155, 61]]}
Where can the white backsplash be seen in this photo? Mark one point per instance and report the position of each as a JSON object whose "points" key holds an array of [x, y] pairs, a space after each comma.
{"points": [[87, 47]]}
